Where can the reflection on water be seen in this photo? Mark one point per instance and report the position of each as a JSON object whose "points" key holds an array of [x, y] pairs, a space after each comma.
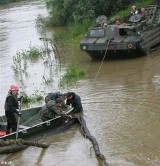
{"points": [[121, 106]]}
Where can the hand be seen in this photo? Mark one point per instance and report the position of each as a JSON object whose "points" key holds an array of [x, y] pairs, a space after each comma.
{"points": [[18, 112]]}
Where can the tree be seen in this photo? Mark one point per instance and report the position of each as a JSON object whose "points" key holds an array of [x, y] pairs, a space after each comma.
{"points": [[65, 12]]}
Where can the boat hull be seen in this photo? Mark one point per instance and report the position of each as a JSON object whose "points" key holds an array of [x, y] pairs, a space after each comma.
{"points": [[38, 127], [115, 54]]}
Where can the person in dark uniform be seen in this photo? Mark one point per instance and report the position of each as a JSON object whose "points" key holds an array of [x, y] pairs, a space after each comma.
{"points": [[75, 101], [12, 107]]}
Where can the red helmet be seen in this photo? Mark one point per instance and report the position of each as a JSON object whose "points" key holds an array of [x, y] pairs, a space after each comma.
{"points": [[14, 88]]}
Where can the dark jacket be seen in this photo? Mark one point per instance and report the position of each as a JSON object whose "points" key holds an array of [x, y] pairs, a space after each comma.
{"points": [[75, 102], [11, 104]]}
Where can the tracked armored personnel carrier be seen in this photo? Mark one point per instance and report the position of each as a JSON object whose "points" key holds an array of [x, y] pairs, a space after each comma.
{"points": [[137, 34]]}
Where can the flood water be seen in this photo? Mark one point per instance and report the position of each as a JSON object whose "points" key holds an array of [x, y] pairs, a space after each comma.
{"points": [[121, 101]]}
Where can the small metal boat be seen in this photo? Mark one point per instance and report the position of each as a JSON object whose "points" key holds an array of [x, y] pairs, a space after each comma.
{"points": [[31, 123]]}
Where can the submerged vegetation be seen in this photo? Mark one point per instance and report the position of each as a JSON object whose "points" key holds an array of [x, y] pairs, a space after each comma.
{"points": [[34, 53], [72, 74], [19, 63], [20, 60]]}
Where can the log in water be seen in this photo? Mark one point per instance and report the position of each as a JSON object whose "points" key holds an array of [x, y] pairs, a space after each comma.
{"points": [[11, 146], [87, 134]]}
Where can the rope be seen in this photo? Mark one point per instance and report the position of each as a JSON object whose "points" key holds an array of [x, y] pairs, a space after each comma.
{"points": [[102, 62]]}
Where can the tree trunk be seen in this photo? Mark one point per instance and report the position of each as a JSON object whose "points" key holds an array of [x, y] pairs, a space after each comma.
{"points": [[23, 142], [12, 149], [37, 144], [11, 146], [93, 140]]}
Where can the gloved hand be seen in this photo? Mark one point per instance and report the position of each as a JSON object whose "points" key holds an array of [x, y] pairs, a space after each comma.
{"points": [[18, 112]]}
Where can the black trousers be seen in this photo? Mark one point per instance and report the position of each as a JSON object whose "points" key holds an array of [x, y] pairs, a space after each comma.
{"points": [[11, 122], [11, 127]]}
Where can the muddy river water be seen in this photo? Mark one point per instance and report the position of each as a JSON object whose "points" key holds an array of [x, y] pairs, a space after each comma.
{"points": [[121, 103]]}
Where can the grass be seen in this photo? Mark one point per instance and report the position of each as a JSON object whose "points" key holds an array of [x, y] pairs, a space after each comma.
{"points": [[74, 32]]}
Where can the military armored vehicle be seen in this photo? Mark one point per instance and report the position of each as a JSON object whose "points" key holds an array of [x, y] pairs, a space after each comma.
{"points": [[136, 34]]}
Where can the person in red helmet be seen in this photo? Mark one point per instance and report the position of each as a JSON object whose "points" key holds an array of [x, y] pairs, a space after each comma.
{"points": [[11, 107]]}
